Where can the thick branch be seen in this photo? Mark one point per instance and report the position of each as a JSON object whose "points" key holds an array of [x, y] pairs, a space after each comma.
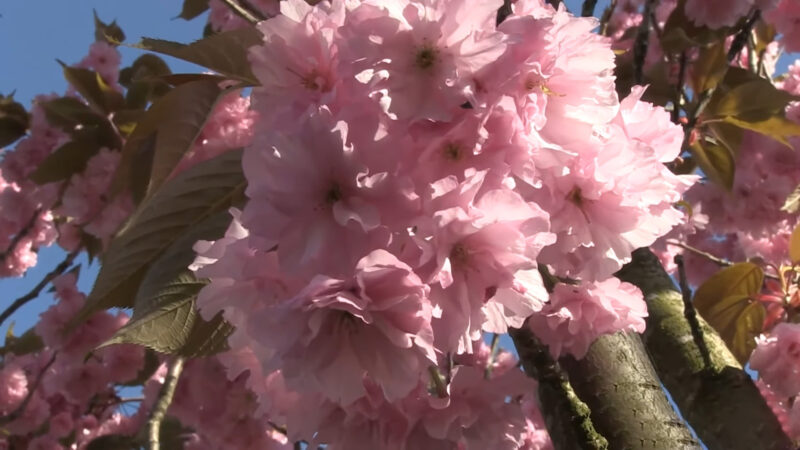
{"points": [[162, 404], [628, 406], [719, 400], [567, 417], [20, 302]]}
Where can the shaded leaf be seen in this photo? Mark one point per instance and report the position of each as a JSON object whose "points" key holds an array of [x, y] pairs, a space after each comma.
{"points": [[67, 113], [28, 342], [792, 203], [727, 302], [166, 327], [164, 314], [752, 101], [727, 135], [193, 8], [13, 120], [185, 110], [207, 337], [777, 127], [143, 80], [104, 32], [93, 88], [716, 161], [680, 33], [181, 204], [710, 67], [176, 79], [164, 133], [225, 53], [67, 160]]}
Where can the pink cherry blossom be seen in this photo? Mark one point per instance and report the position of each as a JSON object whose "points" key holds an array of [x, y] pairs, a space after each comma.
{"points": [[777, 359], [786, 19], [429, 51], [336, 332], [577, 315]]}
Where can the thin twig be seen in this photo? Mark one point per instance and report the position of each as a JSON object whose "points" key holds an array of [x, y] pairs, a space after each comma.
{"points": [[20, 410], [678, 100], [607, 18], [587, 10], [722, 262], [240, 11], [743, 35], [641, 43], [691, 314], [20, 302], [20, 235], [164, 399]]}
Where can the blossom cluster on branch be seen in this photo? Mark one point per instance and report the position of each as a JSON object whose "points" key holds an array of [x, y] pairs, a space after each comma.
{"points": [[411, 179]]}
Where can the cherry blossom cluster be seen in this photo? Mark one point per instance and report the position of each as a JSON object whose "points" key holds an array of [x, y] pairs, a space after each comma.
{"points": [[68, 396], [415, 169]]}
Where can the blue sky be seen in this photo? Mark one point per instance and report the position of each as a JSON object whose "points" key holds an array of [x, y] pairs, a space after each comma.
{"points": [[34, 33]]}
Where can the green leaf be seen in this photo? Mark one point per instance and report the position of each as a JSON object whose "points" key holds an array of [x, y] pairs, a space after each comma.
{"points": [[727, 301], [225, 53], [680, 33], [93, 88], [176, 79], [67, 160], [777, 127], [13, 120], [170, 126], [716, 161], [166, 327], [28, 342], [68, 113], [193, 8], [792, 203], [710, 67], [164, 314], [104, 32], [185, 110], [181, 204], [753, 101]]}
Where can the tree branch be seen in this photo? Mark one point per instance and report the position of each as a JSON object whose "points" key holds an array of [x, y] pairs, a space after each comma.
{"points": [[719, 400], [567, 417], [628, 406], [587, 10], [164, 399], [20, 302]]}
